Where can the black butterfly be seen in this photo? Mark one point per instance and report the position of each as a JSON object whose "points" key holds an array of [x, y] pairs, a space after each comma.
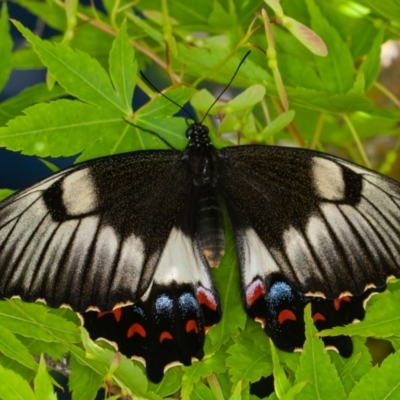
{"points": [[128, 240], [143, 228]]}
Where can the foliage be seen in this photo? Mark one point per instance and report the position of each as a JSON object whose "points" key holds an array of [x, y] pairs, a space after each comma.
{"points": [[311, 100]]}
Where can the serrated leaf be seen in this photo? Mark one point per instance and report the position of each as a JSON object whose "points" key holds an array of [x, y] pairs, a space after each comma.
{"points": [[6, 45], [380, 382], [83, 382], [247, 99], [79, 74], [352, 369], [35, 321], [170, 384], [43, 385], [249, 357], [13, 387], [201, 392], [14, 106], [316, 368], [123, 67], [199, 370], [59, 128], [11, 347], [126, 375]]}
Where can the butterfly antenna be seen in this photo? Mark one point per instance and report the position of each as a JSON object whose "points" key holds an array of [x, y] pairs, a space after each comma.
{"points": [[226, 87], [162, 94]]}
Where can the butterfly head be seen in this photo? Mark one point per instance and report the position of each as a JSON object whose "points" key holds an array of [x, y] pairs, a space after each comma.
{"points": [[198, 135]]}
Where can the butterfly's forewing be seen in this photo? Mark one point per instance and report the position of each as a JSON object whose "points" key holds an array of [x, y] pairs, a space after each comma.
{"points": [[91, 235], [328, 226]]}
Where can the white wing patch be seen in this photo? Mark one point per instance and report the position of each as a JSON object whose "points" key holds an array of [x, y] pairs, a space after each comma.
{"points": [[328, 179], [258, 261], [130, 264], [181, 262], [79, 193]]}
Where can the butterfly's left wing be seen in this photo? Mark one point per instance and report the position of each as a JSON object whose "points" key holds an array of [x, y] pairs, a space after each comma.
{"points": [[325, 226]]}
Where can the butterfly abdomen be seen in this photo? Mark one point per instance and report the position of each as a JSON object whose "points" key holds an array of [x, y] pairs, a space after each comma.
{"points": [[209, 226]]}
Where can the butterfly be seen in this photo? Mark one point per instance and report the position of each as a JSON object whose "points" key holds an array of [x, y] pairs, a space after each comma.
{"points": [[128, 242]]}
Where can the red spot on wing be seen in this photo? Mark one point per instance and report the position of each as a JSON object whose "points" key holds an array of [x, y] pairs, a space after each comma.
{"points": [[286, 315], [136, 329], [191, 325], [254, 291], [206, 298], [117, 314], [337, 302], [318, 317], [164, 336]]}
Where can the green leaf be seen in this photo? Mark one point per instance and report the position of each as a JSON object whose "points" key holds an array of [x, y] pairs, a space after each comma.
{"points": [[202, 101], [281, 381], [352, 369], [35, 321], [372, 65], [4, 193], [13, 387], [227, 278], [201, 392], [78, 73], [43, 385], [11, 347], [316, 368], [123, 68], [277, 125], [170, 384], [336, 70], [202, 369], [126, 375], [14, 106], [147, 29], [236, 395], [249, 98], [6, 45], [83, 382], [59, 128], [380, 382], [50, 13], [249, 357]]}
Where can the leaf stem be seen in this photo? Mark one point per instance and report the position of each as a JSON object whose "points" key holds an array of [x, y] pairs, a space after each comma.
{"points": [[357, 140]]}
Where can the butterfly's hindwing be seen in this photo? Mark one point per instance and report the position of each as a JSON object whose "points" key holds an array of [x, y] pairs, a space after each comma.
{"points": [[167, 325]]}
